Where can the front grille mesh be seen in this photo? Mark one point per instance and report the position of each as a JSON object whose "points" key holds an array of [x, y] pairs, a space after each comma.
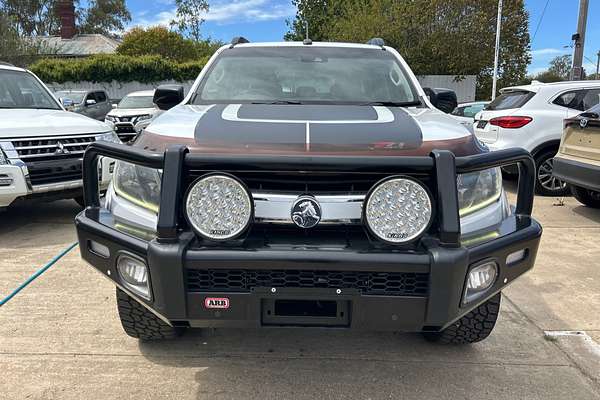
{"points": [[369, 283]]}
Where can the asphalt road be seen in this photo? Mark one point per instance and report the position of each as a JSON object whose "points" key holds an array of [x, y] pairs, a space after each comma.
{"points": [[61, 338]]}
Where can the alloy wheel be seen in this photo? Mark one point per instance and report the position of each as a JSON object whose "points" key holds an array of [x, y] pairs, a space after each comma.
{"points": [[546, 179]]}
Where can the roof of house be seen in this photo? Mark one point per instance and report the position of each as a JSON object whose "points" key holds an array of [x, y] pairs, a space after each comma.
{"points": [[78, 46]]}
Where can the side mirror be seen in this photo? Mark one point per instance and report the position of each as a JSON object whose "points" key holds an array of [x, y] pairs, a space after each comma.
{"points": [[168, 96], [443, 99], [90, 102]]}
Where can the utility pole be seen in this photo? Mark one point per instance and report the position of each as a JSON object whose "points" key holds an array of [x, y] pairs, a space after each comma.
{"points": [[579, 38], [598, 65], [497, 50]]}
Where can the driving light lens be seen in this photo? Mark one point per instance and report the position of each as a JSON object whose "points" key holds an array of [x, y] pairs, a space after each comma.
{"points": [[134, 274], [218, 207], [481, 278], [398, 210]]}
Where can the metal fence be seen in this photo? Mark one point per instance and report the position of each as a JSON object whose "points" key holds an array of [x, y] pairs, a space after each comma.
{"points": [[463, 86]]}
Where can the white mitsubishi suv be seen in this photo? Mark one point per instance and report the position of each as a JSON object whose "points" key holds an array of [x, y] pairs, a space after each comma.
{"points": [[41, 144], [531, 116]]}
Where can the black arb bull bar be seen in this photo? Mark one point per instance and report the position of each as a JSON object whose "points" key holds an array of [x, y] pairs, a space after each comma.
{"points": [[445, 260]]}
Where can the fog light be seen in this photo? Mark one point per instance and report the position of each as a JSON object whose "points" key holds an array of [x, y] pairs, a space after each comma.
{"points": [[134, 274], [481, 278]]}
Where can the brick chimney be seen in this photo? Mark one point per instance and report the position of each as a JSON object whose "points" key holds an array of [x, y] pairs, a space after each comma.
{"points": [[66, 12]]}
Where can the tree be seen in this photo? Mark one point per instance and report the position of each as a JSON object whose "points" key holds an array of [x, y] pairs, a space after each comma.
{"points": [[189, 17], [547, 77], [13, 48], [450, 37], [158, 40], [32, 17], [561, 66], [104, 17], [39, 17]]}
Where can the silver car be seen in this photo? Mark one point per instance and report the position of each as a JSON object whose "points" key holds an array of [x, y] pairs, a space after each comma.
{"points": [[92, 103]]}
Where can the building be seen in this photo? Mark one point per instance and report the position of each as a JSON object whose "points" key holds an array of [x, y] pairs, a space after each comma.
{"points": [[70, 44]]}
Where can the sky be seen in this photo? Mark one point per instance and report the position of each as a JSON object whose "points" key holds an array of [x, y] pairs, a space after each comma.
{"points": [[265, 20]]}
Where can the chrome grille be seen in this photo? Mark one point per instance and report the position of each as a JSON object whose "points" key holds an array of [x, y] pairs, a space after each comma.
{"points": [[52, 147]]}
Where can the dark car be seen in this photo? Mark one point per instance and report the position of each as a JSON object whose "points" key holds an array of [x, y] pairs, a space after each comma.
{"points": [[92, 103], [308, 185]]}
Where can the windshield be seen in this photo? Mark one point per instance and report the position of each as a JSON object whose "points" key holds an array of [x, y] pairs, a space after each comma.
{"points": [[21, 90], [136, 102], [306, 75], [75, 97]]}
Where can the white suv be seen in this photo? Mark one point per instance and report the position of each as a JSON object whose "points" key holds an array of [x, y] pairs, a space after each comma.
{"points": [[531, 116], [41, 144]]}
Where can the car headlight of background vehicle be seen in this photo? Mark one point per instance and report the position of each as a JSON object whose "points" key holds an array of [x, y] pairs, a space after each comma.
{"points": [[219, 207], [140, 185], [398, 210], [477, 190], [144, 117], [110, 118], [108, 137]]}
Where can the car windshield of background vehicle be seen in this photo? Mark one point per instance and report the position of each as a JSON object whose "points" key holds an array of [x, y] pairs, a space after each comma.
{"points": [[306, 75], [75, 97], [513, 99], [21, 90], [136, 102]]}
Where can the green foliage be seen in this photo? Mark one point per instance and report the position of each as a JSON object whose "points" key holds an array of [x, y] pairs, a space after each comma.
{"points": [[547, 77], [446, 37], [159, 40], [189, 17], [108, 67], [33, 17], [561, 66], [104, 16], [13, 48]]}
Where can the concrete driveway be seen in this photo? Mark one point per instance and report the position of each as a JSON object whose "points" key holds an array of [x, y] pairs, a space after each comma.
{"points": [[61, 338]]}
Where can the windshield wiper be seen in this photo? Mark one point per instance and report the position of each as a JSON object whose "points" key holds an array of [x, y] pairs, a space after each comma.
{"points": [[277, 102], [392, 103]]}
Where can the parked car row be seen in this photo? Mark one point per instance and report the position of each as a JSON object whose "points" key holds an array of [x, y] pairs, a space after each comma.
{"points": [[128, 117]]}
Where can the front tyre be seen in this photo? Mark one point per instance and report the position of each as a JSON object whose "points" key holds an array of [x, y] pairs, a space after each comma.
{"points": [[547, 184], [140, 323], [590, 198], [473, 327]]}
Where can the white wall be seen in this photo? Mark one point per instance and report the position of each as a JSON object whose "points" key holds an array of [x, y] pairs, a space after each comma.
{"points": [[465, 89]]}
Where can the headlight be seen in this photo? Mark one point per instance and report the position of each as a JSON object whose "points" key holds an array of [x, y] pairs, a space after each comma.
{"points": [[110, 118], [144, 117], [478, 189], [218, 207], [398, 210], [3, 159], [109, 137], [139, 185]]}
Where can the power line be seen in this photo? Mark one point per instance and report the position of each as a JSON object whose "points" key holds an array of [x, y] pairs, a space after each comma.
{"points": [[540, 21]]}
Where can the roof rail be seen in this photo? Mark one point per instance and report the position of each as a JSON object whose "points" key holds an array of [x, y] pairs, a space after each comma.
{"points": [[238, 40], [376, 42]]}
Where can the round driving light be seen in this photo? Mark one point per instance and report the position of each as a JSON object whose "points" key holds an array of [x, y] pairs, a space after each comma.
{"points": [[480, 279], [398, 210], [218, 207]]}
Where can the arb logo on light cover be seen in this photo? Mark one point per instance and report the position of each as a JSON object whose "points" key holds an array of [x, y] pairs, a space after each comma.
{"points": [[216, 302]]}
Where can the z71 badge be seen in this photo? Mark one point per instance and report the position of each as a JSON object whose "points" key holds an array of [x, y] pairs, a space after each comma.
{"points": [[216, 302]]}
